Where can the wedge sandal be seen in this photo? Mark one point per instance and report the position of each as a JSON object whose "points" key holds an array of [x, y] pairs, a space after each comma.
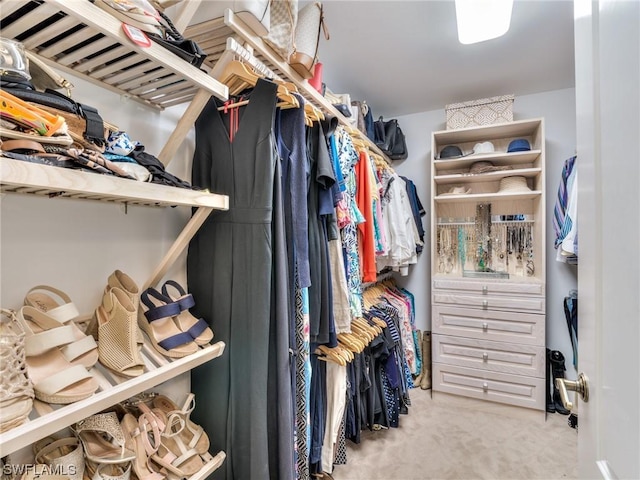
{"points": [[47, 346], [196, 327], [155, 317], [58, 306]]}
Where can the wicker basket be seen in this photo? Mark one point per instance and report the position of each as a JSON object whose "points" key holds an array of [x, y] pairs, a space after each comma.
{"points": [[484, 111]]}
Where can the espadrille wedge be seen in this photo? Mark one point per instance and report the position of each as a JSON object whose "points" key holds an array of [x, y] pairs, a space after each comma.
{"points": [[118, 334], [55, 379]]}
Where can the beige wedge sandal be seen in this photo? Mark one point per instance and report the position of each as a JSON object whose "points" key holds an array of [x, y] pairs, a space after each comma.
{"points": [[118, 334], [48, 344], [58, 305]]}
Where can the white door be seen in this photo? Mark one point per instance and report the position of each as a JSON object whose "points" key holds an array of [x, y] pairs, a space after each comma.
{"points": [[607, 38]]}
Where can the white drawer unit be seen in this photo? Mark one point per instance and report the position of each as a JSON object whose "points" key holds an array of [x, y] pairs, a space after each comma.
{"points": [[488, 265]]}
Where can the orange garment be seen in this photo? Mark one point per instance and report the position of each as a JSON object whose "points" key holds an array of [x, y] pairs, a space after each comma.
{"points": [[364, 199]]}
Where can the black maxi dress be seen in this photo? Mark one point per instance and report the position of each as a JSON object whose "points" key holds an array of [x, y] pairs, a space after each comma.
{"points": [[229, 273]]}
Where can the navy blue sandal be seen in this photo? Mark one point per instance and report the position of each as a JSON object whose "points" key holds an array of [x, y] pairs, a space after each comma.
{"points": [[197, 328], [156, 317]]}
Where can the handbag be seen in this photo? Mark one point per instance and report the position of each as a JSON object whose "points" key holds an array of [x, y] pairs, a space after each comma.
{"points": [[172, 40], [389, 138], [307, 39], [284, 18]]}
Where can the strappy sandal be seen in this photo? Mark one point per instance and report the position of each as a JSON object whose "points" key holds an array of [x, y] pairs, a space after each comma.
{"points": [[190, 434], [16, 390], [196, 327], [157, 322], [143, 437], [176, 457], [103, 439], [48, 345], [64, 311]]}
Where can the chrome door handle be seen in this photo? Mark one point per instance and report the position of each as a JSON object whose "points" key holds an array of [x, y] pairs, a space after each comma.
{"points": [[580, 386]]}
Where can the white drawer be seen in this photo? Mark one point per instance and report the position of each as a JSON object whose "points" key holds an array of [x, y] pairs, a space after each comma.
{"points": [[487, 302], [493, 386], [524, 328], [488, 287], [487, 355]]}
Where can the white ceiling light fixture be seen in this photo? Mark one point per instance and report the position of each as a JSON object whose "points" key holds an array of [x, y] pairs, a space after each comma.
{"points": [[480, 20]]}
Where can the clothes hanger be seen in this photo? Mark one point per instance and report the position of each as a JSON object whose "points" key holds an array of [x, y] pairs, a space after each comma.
{"points": [[330, 354]]}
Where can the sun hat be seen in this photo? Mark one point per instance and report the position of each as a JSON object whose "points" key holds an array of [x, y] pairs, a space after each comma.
{"points": [[483, 147], [458, 190], [514, 184], [519, 145], [484, 167], [451, 151]]}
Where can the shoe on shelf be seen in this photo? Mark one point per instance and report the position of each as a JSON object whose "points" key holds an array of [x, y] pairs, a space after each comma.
{"points": [[119, 279], [174, 456], [155, 317], [143, 437], [118, 334], [16, 390], [196, 327], [64, 311], [103, 439], [180, 422], [48, 347], [65, 453]]}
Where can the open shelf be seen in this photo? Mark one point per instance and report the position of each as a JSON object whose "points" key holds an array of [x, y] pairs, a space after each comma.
{"points": [[483, 133], [47, 419], [18, 176], [485, 177], [84, 40], [497, 158], [487, 197]]}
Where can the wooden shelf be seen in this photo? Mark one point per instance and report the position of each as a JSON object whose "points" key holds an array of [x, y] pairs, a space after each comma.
{"points": [[47, 419], [23, 177], [483, 133], [498, 159], [485, 177], [486, 197], [86, 41]]}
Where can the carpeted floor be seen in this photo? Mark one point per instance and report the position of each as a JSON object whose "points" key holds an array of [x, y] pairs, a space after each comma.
{"points": [[451, 437]]}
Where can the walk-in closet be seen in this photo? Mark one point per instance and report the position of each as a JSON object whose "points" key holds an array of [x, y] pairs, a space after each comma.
{"points": [[296, 240]]}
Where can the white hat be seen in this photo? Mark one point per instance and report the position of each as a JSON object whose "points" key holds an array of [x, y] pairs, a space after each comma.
{"points": [[483, 147], [514, 184]]}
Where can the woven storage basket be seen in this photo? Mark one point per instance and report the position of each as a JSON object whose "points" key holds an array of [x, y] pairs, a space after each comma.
{"points": [[484, 111]]}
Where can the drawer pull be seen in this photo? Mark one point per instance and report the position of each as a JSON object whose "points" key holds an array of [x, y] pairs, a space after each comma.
{"points": [[485, 304], [485, 387], [485, 326], [485, 356], [485, 289]]}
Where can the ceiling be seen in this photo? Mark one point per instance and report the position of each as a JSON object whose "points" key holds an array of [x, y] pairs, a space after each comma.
{"points": [[404, 57]]}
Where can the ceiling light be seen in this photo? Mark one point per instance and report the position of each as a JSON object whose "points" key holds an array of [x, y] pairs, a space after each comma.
{"points": [[480, 20]]}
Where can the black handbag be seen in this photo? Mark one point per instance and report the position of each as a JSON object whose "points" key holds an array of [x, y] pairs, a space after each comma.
{"points": [[173, 41], [389, 138]]}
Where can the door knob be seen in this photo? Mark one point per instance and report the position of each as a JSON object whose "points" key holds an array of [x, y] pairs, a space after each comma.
{"points": [[581, 386]]}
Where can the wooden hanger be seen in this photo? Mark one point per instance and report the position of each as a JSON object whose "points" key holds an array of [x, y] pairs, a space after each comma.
{"points": [[330, 354], [238, 77]]}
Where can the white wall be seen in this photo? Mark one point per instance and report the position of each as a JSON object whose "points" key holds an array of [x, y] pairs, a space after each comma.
{"points": [[558, 109]]}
